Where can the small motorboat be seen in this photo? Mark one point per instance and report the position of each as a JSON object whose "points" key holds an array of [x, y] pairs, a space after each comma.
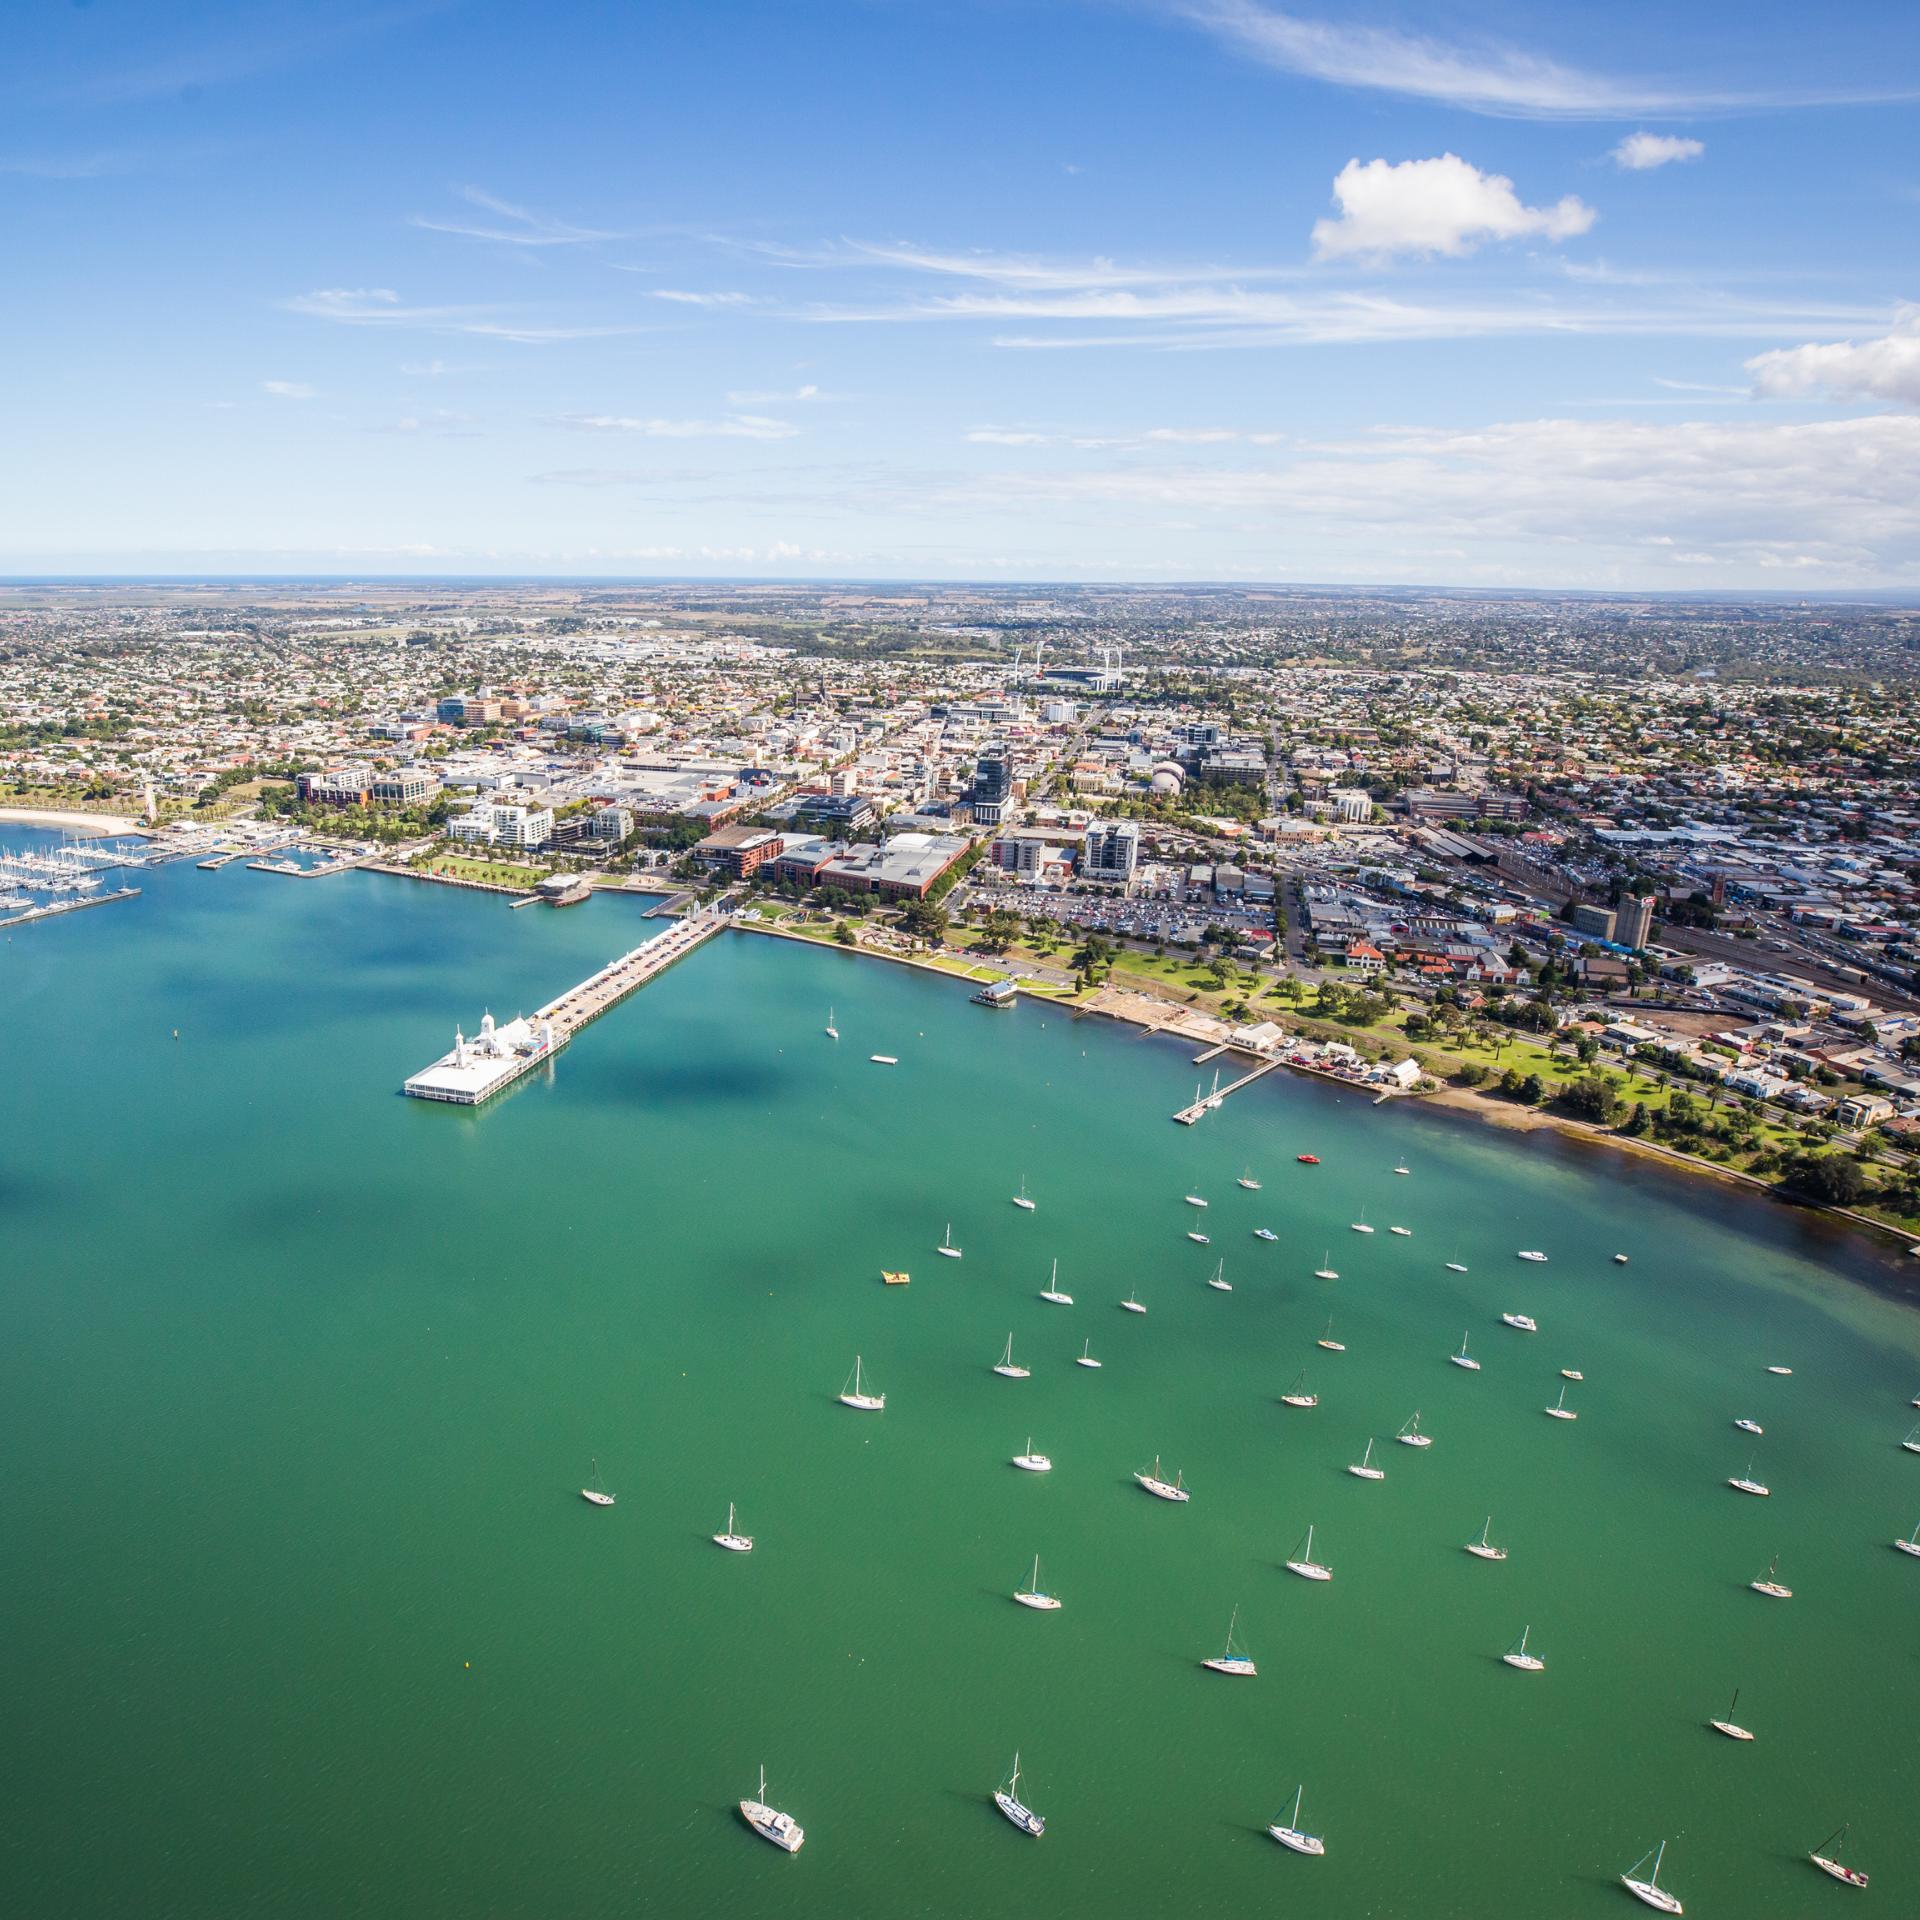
{"points": [[1571, 1373], [1265, 1233], [1523, 1322], [1308, 1159], [1534, 1254], [1786, 1372], [1750, 1426], [1405, 1233], [782, 1829], [1619, 1259]]}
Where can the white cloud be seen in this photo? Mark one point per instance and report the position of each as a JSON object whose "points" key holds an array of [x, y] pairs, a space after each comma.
{"points": [[288, 389], [382, 307], [735, 426], [775, 397], [522, 228], [1442, 206], [1641, 152], [1009, 437], [1489, 77], [685, 299], [1883, 369], [1840, 496]]}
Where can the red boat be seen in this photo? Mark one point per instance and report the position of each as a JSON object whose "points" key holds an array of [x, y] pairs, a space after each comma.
{"points": [[1308, 1159]]}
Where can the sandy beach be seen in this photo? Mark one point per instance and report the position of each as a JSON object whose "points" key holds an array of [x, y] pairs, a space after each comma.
{"points": [[99, 824]]}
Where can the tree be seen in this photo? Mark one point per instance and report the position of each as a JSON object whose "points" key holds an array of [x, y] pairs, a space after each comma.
{"points": [[925, 920], [1592, 1097], [843, 933], [1828, 1179], [999, 930]]}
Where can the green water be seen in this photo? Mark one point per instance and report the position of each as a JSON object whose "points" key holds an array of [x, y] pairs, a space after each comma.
{"points": [[298, 1380]]}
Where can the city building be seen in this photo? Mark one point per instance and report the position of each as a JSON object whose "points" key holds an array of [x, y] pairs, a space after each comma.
{"points": [[1598, 921], [1633, 922], [338, 787], [1111, 852], [993, 785], [739, 851], [405, 787]]}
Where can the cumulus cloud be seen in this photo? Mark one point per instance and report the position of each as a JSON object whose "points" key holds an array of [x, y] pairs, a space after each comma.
{"points": [[1883, 369], [735, 426], [1642, 152], [1439, 206], [288, 389]]}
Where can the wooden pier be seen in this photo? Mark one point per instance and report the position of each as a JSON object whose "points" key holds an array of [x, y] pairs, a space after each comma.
{"points": [[1208, 1101]]}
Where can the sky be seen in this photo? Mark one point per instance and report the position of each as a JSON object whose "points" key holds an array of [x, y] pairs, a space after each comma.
{"points": [[1610, 296]]}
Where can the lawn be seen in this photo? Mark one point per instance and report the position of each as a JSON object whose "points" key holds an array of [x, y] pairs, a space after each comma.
{"points": [[499, 873]]}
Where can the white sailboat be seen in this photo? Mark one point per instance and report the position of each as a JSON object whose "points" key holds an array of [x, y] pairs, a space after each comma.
{"points": [[1006, 1367], [1297, 1394], [596, 1495], [1325, 1270], [781, 1828], [1365, 1469], [1359, 1226], [1831, 1864], [1411, 1436], [733, 1542], [1131, 1305], [1290, 1833], [1232, 1661], [833, 1032], [1220, 1283], [1157, 1484], [854, 1394], [1034, 1595], [1403, 1168], [1770, 1586], [1200, 1239], [946, 1249], [1328, 1341], [1031, 1462], [1008, 1800], [1730, 1726], [1649, 1892], [1305, 1565], [1518, 1656], [1194, 1200], [1746, 1483], [1454, 1266], [1912, 1441], [1560, 1410], [1248, 1181], [1911, 1544], [1020, 1199], [1463, 1358], [1783, 1372], [1483, 1548], [1086, 1358], [1051, 1291]]}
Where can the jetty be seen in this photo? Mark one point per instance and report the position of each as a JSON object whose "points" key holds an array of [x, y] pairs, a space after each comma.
{"points": [[1208, 1101], [80, 905], [477, 1069]]}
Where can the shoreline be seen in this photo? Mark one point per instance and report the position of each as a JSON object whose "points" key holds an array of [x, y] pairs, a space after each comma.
{"points": [[1183, 1023], [104, 825]]}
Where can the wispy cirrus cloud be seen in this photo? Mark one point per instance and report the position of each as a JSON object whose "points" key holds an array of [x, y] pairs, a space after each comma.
{"points": [[383, 307], [513, 226], [686, 297], [732, 426], [1487, 76], [289, 389]]}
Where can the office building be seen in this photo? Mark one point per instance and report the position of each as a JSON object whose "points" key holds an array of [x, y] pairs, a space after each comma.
{"points": [[1111, 852], [993, 785]]}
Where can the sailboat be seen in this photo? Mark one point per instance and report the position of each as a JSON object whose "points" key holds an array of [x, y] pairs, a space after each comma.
{"points": [[1746, 1483], [1020, 1199], [1411, 1436], [1912, 1441], [1911, 1544], [1649, 1892], [1297, 1394], [1403, 1168], [1360, 1225], [1200, 1239], [1159, 1486], [1730, 1726], [1248, 1181], [733, 1542], [1051, 1291], [1008, 1800], [1086, 1358], [1560, 1410], [596, 1495], [1032, 1462], [1006, 1367], [1034, 1595], [1830, 1863], [1194, 1200], [781, 1828], [946, 1249], [1305, 1565], [1328, 1341], [1236, 1663], [1483, 1548], [1463, 1358], [1785, 1373], [1131, 1305], [854, 1394], [1455, 1266], [1325, 1270], [1518, 1656], [1366, 1470], [1288, 1831], [1768, 1585], [833, 1032], [1405, 1233], [1220, 1283]]}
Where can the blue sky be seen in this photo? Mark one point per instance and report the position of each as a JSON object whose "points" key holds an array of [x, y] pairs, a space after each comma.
{"points": [[1585, 295]]}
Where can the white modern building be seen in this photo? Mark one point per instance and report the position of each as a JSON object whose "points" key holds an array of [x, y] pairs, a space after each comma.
{"points": [[1111, 852]]}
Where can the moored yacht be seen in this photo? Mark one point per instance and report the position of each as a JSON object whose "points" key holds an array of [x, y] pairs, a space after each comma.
{"points": [[1233, 1660], [1463, 1358], [1364, 1469], [1248, 1181], [781, 1828], [596, 1495], [1051, 1291], [1405, 1233], [1483, 1549], [1411, 1436], [1297, 1394], [1560, 1410], [1157, 1484], [1730, 1726], [1020, 1199], [833, 1032], [1912, 1441], [1523, 1322], [1031, 1462], [1534, 1254], [1518, 1656], [1008, 1800], [1008, 1368], [1200, 1239], [1305, 1565], [1325, 1270], [1194, 1200], [1783, 1372], [733, 1542], [1131, 1305], [854, 1394], [1746, 1483], [946, 1249], [1831, 1864], [1455, 1266], [1768, 1585], [1911, 1544], [1220, 1283], [1649, 1892], [1359, 1226], [1086, 1358], [1034, 1595], [1290, 1833], [1328, 1341]]}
